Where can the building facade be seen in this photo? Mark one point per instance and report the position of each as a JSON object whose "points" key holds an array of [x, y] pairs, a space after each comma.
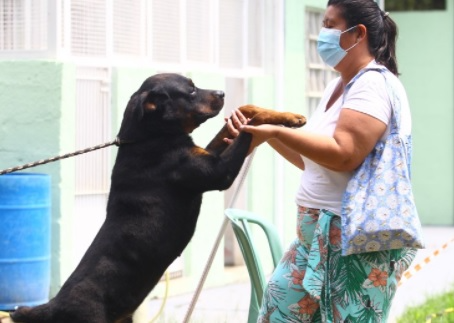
{"points": [[68, 68]]}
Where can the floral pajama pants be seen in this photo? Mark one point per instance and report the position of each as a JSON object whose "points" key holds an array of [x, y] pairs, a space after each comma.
{"points": [[314, 283]]}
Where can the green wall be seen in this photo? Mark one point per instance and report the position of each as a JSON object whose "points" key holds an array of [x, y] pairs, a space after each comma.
{"points": [[34, 106], [264, 194], [425, 55], [295, 95], [427, 67], [212, 212]]}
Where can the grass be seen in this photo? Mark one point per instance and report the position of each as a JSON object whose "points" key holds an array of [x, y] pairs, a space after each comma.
{"points": [[433, 310]]}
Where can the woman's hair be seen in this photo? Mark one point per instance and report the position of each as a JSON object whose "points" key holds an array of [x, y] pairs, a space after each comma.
{"points": [[381, 29]]}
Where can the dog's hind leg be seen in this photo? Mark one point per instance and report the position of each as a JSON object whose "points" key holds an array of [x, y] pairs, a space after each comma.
{"points": [[39, 314]]}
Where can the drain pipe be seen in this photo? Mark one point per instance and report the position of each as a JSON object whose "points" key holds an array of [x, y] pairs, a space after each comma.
{"points": [[381, 4], [279, 76]]}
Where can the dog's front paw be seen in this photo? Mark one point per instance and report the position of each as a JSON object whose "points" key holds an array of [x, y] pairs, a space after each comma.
{"points": [[293, 120], [287, 119]]}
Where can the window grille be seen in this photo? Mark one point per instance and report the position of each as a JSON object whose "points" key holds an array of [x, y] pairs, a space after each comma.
{"points": [[92, 128], [92, 171], [128, 27], [255, 41], [23, 25], [318, 73], [199, 37], [231, 31], [88, 27], [166, 33], [225, 34]]}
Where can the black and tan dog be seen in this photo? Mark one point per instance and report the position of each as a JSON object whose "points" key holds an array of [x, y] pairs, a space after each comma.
{"points": [[155, 197]]}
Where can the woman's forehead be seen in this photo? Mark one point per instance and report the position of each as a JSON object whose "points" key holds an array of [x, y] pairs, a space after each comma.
{"points": [[333, 17]]}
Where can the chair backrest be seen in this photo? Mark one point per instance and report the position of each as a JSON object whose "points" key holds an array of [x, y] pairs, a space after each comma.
{"points": [[241, 221]]}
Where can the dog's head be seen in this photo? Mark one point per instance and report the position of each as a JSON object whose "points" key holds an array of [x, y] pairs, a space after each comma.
{"points": [[168, 103]]}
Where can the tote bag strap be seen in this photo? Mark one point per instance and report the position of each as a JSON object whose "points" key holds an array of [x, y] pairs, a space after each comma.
{"points": [[395, 103]]}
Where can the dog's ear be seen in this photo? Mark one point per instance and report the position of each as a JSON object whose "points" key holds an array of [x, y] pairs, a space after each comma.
{"points": [[152, 100], [141, 102], [136, 108], [145, 101], [132, 116]]}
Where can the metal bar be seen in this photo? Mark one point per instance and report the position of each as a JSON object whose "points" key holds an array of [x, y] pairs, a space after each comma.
{"points": [[217, 243]]}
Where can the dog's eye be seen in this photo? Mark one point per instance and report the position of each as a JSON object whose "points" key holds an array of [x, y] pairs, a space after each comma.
{"points": [[193, 91]]}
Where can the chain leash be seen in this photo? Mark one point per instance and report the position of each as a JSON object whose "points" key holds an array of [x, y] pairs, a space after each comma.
{"points": [[49, 160]]}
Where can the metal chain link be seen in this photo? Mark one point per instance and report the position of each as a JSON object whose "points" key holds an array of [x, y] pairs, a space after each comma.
{"points": [[49, 160]]}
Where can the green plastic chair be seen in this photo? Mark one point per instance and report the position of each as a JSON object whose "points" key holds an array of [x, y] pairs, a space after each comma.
{"points": [[241, 221]]}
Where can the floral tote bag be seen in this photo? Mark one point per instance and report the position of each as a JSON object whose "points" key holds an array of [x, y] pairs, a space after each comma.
{"points": [[378, 208]]}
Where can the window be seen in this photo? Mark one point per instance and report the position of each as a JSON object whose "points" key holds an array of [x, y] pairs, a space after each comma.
{"points": [[128, 28], [231, 26], [92, 128], [92, 171], [88, 28], [318, 73], [255, 41], [199, 32], [165, 22], [407, 5], [23, 25], [225, 34]]}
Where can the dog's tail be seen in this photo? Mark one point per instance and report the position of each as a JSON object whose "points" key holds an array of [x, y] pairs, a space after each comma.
{"points": [[38, 314]]}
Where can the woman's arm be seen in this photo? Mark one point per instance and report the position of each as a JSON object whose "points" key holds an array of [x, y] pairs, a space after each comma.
{"points": [[355, 136], [289, 154]]}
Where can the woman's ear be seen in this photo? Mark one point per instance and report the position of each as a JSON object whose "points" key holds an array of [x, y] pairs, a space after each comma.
{"points": [[361, 32]]}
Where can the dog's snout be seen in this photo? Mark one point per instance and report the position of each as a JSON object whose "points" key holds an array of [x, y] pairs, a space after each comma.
{"points": [[219, 94]]}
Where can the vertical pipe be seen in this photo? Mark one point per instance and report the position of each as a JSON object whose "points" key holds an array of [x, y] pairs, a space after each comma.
{"points": [[279, 58], [381, 4]]}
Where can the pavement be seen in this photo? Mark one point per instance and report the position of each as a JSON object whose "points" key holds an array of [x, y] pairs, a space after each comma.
{"points": [[229, 301]]}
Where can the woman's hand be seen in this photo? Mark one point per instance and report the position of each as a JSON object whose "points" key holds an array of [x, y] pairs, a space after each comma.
{"points": [[234, 124], [238, 122]]}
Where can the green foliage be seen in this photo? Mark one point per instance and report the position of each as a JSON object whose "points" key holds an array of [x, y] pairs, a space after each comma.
{"points": [[405, 5], [434, 308]]}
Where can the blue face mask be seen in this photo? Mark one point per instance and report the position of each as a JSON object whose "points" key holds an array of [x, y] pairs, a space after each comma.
{"points": [[328, 46]]}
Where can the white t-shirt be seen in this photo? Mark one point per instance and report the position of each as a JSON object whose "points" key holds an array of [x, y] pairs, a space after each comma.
{"points": [[320, 187]]}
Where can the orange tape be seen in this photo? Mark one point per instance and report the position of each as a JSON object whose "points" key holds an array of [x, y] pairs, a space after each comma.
{"points": [[412, 271]]}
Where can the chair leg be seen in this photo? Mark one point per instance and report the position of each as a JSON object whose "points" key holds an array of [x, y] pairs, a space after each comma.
{"points": [[254, 307]]}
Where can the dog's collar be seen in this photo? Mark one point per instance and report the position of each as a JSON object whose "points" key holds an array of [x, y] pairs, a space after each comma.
{"points": [[120, 142]]}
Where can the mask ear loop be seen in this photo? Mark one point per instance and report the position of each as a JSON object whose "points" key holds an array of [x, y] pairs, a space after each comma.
{"points": [[357, 40], [349, 29]]}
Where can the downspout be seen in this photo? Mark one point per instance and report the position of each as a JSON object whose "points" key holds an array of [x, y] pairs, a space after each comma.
{"points": [[279, 76], [381, 4]]}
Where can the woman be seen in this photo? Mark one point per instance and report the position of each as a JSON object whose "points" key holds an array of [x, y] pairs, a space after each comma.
{"points": [[313, 282]]}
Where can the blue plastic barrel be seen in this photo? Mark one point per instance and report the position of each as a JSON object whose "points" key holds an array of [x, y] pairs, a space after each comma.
{"points": [[25, 201]]}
